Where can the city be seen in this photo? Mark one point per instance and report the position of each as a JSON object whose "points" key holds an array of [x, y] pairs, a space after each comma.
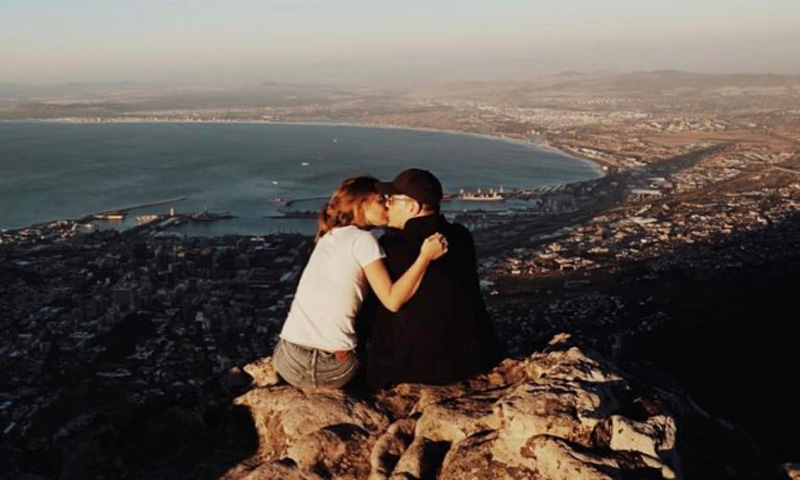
{"points": [[102, 325]]}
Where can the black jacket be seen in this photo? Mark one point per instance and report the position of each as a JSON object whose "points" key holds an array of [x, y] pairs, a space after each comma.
{"points": [[443, 333]]}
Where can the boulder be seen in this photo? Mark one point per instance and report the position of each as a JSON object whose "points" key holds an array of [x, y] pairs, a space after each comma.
{"points": [[498, 455], [558, 414], [263, 372], [286, 417], [390, 447]]}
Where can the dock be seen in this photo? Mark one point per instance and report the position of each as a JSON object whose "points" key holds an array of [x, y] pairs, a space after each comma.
{"points": [[120, 211]]}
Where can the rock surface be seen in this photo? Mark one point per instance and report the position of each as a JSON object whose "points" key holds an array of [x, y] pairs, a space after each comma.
{"points": [[560, 414], [262, 372], [791, 471]]}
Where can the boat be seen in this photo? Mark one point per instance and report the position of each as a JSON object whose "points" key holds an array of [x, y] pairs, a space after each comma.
{"points": [[206, 216], [484, 197], [111, 217], [298, 213], [478, 196], [147, 218]]}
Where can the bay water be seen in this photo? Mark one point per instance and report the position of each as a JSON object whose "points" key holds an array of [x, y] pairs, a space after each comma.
{"points": [[51, 170]]}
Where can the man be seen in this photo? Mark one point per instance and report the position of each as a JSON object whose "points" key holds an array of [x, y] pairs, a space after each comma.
{"points": [[443, 334]]}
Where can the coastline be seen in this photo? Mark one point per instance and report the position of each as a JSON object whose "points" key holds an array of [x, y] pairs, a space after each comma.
{"points": [[604, 167], [543, 144]]}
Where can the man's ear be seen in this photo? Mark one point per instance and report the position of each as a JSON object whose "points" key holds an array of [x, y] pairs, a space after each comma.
{"points": [[416, 208]]}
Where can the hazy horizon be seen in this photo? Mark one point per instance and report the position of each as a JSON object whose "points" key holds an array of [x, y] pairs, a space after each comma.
{"points": [[359, 42]]}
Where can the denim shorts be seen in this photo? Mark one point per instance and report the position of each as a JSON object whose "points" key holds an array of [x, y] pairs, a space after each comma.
{"points": [[306, 367]]}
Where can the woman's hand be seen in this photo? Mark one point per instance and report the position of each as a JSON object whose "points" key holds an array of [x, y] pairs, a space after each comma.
{"points": [[394, 294], [434, 246]]}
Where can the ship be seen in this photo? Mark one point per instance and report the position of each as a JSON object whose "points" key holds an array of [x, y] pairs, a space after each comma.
{"points": [[147, 218], [111, 217], [478, 196], [206, 216], [211, 217], [300, 213]]}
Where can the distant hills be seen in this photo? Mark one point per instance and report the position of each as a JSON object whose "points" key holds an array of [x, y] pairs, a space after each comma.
{"points": [[269, 91], [112, 99], [19, 91], [605, 83], [108, 99], [674, 79]]}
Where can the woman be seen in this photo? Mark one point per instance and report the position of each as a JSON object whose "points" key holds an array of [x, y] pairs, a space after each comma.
{"points": [[318, 340]]}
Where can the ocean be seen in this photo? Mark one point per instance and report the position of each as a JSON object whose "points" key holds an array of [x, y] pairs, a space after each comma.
{"points": [[50, 170]]}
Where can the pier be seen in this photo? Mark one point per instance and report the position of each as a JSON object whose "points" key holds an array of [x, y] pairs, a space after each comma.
{"points": [[118, 211]]}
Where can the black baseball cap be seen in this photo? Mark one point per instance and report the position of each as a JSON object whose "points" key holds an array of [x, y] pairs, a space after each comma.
{"points": [[421, 185]]}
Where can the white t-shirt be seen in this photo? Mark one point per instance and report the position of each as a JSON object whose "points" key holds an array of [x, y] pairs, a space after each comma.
{"points": [[331, 290]]}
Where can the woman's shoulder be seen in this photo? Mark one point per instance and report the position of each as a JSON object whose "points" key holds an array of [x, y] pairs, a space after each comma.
{"points": [[352, 233], [349, 230]]}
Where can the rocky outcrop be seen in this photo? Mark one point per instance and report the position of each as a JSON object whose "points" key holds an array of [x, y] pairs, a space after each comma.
{"points": [[559, 414], [791, 471]]}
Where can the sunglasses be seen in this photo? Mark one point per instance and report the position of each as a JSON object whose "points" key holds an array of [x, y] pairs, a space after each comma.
{"points": [[389, 199]]}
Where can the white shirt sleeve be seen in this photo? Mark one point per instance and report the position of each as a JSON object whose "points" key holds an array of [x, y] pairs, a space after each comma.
{"points": [[366, 249]]}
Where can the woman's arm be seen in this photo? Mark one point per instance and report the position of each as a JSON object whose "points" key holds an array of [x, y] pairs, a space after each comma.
{"points": [[395, 295]]}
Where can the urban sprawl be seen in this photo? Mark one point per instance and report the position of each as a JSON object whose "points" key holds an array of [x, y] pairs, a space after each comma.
{"points": [[103, 321]]}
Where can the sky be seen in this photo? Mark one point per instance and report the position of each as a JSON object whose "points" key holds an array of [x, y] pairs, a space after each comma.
{"points": [[207, 42]]}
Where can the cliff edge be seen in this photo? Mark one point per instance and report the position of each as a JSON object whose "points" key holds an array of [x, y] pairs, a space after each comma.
{"points": [[559, 414]]}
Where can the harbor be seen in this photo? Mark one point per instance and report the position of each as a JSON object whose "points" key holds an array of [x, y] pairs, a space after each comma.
{"points": [[118, 214], [117, 219], [476, 208]]}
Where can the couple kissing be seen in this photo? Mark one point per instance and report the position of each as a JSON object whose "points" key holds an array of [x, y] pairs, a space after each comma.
{"points": [[405, 307]]}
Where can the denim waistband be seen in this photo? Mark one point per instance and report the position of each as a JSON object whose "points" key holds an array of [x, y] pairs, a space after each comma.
{"points": [[306, 351]]}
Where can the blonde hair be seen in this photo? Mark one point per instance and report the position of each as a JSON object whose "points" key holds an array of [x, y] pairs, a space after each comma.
{"points": [[346, 206]]}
